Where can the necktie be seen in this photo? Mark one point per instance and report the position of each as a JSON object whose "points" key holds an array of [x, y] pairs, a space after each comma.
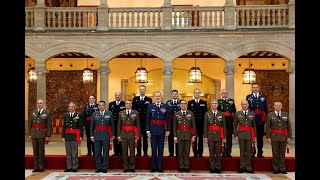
{"points": [[174, 102], [101, 113], [39, 112], [184, 113], [245, 113], [128, 112], [117, 103], [71, 115], [141, 99], [279, 115], [158, 105], [214, 114]]}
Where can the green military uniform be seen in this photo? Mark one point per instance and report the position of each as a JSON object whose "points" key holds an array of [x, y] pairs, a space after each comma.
{"points": [[227, 106], [128, 136], [71, 124], [184, 128], [276, 130], [243, 124], [214, 137], [40, 127]]}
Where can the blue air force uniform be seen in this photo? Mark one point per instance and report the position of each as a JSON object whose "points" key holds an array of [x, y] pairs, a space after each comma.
{"points": [[100, 122], [157, 122], [174, 106], [259, 106], [86, 117]]}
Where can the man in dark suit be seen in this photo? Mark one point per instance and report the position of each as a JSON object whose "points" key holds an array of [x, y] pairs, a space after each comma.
{"points": [[157, 127], [140, 103], [199, 108], [174, 106], [115, 107], [258, 104]]}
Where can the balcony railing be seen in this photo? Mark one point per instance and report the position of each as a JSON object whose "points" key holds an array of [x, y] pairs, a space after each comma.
{"points": [[150, 18]]}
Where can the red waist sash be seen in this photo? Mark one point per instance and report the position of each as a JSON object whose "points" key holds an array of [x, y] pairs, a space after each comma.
{"points": [[160, 121], [280, 131], [186, 128], [217, 128], [131, 128], [227, 114], [88, 118], [37, 126], [108, 128], [74, 131], [247, 128], [264, 115]]}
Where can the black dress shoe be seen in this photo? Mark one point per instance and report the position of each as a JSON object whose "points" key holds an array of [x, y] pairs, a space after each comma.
{"points": [[161, 170], [35, 170], [200, 155], [145, 155], [212, 171], [104, 171], [40, 170], [275, 172], [217, 171], [114, 155], [138, 154], [241, 170], [260, 156], [171, 155], [181, 170], [68, 170], [187, 170], [252, 156], [126, 170], [132, 170], [229, 156], [98, 170], [88, 155], [283, 172], [195, 155], [74, 170], [153, 170], [223, 155]]}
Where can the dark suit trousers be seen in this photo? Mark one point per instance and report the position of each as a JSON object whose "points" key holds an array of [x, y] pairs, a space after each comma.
{"points": [[245, 154], [157, 145], [38, 152], [260, 133], [102, 162], [198, 143], [144, 137], [214, 154], [116, 144], [90, 144], [229, 126], [72, 154], [278, 155], [128, 162], [184, 153], [171, 143]]}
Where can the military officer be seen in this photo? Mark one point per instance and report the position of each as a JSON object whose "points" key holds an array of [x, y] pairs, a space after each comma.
{"points": [[198, 108], [174, 106], [88, 109], [279, 134], [227, 106], [128, 133], [140, 103], [214, 131], [184, 132], [72, 133], [102, 133], [115, 107], [158, 127], [245, 134], [258, 104], [40, 129]]}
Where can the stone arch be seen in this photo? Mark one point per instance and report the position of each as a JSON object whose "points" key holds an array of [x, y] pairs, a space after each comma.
{"points": [[58, 48], [31, 52], [215, 48], [147, 47], [279, 48]]}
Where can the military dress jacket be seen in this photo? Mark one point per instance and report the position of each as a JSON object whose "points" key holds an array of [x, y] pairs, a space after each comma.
{"points": [[74, 122], [183, 120], [43, 120], [141, 106], [173, 107], [131, 120], [115, 109], [198, 109], [210, 120], [105, 119], [227, 105], [242, 120], [88, 110], [282, 123], [158, 114]]}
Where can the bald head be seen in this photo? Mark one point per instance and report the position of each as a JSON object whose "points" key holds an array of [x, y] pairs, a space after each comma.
{"points": [[117, 96], [244, 104]]}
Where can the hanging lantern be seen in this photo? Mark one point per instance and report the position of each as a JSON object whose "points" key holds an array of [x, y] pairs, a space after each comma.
{"points": [[195, 74], [141, 74], [249, 75], [87, 75], [32, 74]]}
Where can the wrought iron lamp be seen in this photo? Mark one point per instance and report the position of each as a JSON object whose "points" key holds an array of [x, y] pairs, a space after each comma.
{"points": [[249, 75], [87, 75], [141, 74], [32, 74], [195, 74]]}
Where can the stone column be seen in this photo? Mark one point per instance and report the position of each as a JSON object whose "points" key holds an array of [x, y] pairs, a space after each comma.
{"points": [[229, 15], [218, 88], [41, 68], [124, 89], [292, 92], [104, 80], [167, 80], [292, 13], [229, 70], [103, 16], [39, 19], [167, 15]]}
